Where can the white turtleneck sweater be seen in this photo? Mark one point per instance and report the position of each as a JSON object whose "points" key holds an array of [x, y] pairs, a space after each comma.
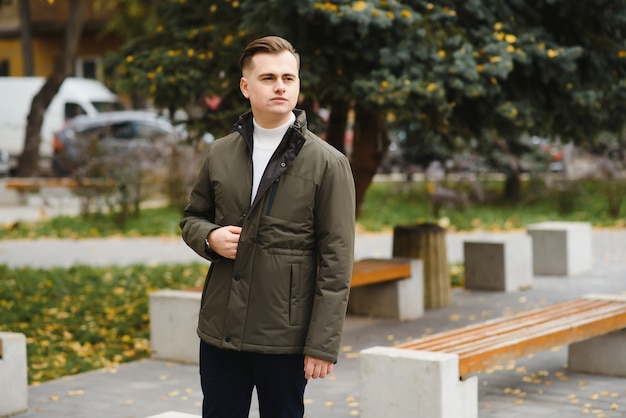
{"points": [[265, 143]]}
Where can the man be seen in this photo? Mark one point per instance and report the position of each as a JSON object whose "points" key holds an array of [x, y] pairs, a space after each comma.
{"points": [[273, 210]]}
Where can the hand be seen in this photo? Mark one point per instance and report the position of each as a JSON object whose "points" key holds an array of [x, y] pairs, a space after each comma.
{"points": [[314, 368], [225, 240]]}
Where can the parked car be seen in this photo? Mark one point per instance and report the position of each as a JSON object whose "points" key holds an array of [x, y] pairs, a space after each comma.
{"points": [[111, 133]]}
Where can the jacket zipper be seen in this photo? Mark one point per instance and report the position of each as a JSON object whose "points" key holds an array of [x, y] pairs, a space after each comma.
{"points": [[272, 195]]}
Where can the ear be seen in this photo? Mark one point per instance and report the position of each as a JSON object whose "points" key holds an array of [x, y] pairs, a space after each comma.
{"points": [[243, 86]]}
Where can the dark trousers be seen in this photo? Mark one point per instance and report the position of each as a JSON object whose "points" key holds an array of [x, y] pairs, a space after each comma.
{"points": [[228, 377]]}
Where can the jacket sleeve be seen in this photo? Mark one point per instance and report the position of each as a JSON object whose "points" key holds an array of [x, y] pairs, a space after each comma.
{"points": [[335, 224], [199, 215]]}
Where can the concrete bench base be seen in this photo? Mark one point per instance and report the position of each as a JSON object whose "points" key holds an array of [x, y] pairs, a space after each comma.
{"points": [[501, 262], [409, 383], [13, 374], [173, 325], [561, 248], [174, 414], [399, 299], [600, 355]]}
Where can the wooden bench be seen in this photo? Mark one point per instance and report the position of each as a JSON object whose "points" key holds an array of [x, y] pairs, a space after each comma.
{"points": [[387, 288], [26, 184], [435, 369], [379, 288]]}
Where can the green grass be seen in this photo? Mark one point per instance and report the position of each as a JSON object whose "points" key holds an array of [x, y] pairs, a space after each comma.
{"points": [[83, 318], [150, 222], [385, 205], [390, 204]]}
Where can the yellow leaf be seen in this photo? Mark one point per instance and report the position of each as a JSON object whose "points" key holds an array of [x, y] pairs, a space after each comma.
{"points": [[78, 392], [455, 317], [359, 5]]}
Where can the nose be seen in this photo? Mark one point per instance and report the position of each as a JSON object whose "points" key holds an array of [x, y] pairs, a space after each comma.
{"points": [[279, 86]]}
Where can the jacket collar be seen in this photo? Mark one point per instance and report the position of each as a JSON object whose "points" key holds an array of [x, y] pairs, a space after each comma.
{"points": [[245, 127]]}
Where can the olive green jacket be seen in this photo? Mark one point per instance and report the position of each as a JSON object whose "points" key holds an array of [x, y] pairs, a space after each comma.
{"points": [[287, 290]]}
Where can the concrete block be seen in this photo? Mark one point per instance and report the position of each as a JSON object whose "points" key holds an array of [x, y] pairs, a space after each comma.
{"points": [[13, 374], [499, 262], [173, 325], [600, 355], [174, 414], [398, 382], [561, 248], [401, 300]]}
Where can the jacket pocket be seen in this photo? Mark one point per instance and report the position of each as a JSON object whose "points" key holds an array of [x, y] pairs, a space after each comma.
{"points": [[294, 295]]}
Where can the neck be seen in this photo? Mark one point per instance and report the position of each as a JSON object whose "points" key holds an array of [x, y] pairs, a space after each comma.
{"points": [[271, 123]]}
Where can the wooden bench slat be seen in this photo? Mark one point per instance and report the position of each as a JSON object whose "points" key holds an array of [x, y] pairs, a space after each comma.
{"points": [[544, 328], [484, 328], [475, 363], [466, 335], [38, 183], [371, 271]]}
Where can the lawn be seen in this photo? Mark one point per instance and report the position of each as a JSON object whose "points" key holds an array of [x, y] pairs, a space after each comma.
{"points": [[83, 318]]}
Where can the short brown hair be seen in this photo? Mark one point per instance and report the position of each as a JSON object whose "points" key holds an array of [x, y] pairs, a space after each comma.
{"points": [[267, 45]]}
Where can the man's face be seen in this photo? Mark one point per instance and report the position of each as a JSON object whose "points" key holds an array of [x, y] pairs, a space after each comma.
{"points": [[272, 85]]}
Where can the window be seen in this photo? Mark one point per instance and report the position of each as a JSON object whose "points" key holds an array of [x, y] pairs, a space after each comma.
{"points": [[4, 68], [89, 67], [72, 110]]}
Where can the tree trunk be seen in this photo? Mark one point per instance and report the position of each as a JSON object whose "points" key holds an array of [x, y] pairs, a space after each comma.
{"points": [[337, 123], [370, 146], [26, 38], [513, 186], [28, 161]]}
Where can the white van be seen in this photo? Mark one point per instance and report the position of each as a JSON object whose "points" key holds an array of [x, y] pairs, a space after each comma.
{"points": [[77, 96]]}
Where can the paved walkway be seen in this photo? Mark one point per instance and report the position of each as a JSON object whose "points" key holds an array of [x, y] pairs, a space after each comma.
{"points": [[535, 387]]}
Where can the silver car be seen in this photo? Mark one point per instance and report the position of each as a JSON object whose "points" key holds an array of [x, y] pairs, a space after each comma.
{"points": [[86, 137]]}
